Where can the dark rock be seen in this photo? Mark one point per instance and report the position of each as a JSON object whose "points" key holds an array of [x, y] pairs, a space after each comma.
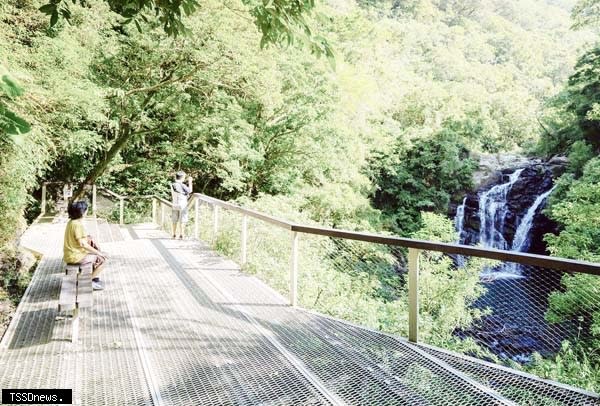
{"points": [[533, 181]]}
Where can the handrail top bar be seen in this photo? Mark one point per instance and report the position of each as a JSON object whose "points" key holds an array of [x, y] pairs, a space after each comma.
{"points": [[113, 194], [562, 264], [543, 261], [160, 199], [252, 213]]}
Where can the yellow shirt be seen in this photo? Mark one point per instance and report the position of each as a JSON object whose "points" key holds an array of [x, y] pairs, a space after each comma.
{"points": [[72, 250]]}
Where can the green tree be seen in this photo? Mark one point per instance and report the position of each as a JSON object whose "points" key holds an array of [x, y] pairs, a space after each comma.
{"points": [[278, 20], [423, 177], [586, 13]]}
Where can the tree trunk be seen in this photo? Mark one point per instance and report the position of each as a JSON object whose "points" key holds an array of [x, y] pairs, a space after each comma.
{"points": [[101, 166]]}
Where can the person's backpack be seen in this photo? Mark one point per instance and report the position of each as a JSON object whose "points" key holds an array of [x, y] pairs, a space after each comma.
{"points": [[178, 197]]}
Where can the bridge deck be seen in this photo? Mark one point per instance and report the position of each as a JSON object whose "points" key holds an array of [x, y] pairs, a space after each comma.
{"points": [[179, 325]]}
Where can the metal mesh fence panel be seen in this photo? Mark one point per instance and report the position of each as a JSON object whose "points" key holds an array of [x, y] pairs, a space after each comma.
{"points": [[524, 317], [358, 281], [269, 251], [268, 247]]}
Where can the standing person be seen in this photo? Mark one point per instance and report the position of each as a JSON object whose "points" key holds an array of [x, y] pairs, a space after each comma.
{"points": [[80, 248], [179, 194]]}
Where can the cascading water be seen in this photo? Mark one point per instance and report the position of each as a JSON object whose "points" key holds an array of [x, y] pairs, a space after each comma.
{"points": [[508, 216], [492, 213], [522, 238], [459, 219]]}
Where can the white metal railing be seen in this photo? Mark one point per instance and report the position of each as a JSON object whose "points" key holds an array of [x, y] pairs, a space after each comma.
{"points": [[415, 247], [160, 207]]}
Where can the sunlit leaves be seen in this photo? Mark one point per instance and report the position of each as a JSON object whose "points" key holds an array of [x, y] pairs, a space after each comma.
{"points": [[586, 13], [10, 122], [279, 21]]}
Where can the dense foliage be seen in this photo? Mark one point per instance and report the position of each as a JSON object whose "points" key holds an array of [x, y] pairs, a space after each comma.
{"points": [[422, 177], [124, 93]]}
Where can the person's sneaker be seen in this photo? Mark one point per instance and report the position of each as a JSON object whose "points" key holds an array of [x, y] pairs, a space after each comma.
{"points": [[97, 285]]}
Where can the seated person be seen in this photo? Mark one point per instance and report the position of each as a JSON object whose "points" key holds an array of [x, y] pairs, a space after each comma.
{"points": [[80, 248]]}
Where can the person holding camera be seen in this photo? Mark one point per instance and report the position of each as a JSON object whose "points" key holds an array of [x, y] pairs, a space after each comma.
{"points": [[179, 195]]}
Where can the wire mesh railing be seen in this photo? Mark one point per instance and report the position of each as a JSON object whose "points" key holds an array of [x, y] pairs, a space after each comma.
{"points": [[476, 304], [515, 315], [520, 310]]}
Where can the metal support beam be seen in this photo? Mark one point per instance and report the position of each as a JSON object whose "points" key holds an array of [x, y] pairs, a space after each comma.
{"points": [[43, 204], [244, 253], [294, 270], [215, 221], [94, 205], [121, 207], [196, 218], [154, 219], [413, 294]]}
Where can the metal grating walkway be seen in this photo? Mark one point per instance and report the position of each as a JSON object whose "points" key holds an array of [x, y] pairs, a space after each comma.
{"points": [[180, 325]]}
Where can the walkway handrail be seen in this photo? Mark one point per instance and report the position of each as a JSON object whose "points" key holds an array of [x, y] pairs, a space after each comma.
{"points": [[543, 261], [415, 247], [524, 258], [249, 212], [562, 264]]}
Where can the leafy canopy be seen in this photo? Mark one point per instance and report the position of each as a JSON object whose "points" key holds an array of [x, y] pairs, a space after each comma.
{"points": [[279, 21]]}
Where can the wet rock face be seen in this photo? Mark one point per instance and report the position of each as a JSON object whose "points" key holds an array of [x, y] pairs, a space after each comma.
{"points": [[492, 166], [533, 181]]}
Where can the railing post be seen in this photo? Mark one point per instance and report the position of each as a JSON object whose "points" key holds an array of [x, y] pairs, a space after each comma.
{"points": [[413, 294], [94, 200], [154, 219], [244, 254], [43, 204], [215, 221], [121, 204], [294, 270], [162, 215], [196, 218]]}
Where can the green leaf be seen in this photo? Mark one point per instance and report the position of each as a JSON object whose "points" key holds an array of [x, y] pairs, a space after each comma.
{"points": [[54, 19], [48, 9], [66, 13], [10, 88], [12, 124]]}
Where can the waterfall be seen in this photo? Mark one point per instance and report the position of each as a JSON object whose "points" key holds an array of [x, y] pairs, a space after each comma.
{"points": [[459, 223], [521, 239], [459, 219], [492, 213]]}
